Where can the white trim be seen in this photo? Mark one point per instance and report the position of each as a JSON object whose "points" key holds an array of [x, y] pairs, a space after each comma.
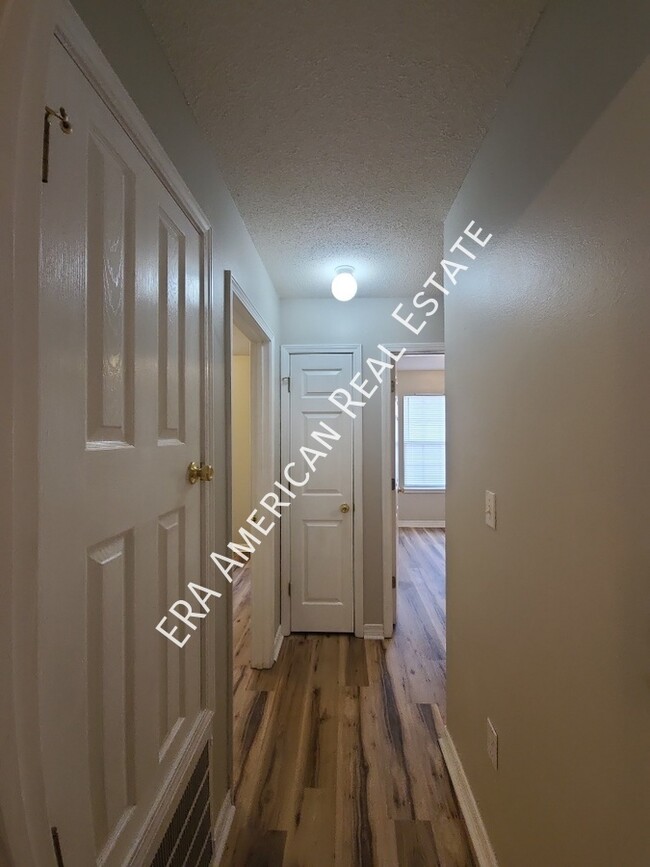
{"points": [[285, 535], [387, 510], [154, 826], [440, 525], [222, 828], [261, 330], [286, 352], [388, 500], [373, 630], [483, 851], [277, 644], [238, 307]]}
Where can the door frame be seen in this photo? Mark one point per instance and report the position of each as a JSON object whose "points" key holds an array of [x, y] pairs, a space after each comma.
{"points": [[239, 310], [26, 31], [388, 515], [286, 351]]}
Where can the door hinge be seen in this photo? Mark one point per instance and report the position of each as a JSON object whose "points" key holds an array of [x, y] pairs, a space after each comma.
{"points": [[288, 381], [394, 582], [392, 386], [289, 587], [65, 126], [392, 484], [57, 847]]}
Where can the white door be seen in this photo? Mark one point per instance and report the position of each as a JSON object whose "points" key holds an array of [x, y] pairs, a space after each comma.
{"points": [[322, 515], [119, 533]]}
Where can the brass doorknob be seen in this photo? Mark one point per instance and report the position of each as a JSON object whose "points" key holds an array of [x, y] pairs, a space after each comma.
{"points": [[344, 508], [202, 473]]}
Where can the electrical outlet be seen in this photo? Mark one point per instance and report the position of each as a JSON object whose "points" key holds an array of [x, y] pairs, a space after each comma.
{"points": [[492, 745], [491, 509]]}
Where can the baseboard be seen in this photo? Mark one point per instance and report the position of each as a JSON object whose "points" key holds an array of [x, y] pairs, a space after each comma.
{"points": [[423, 524], [277, 644], [373, 630], [222, 828], [483, 851]]}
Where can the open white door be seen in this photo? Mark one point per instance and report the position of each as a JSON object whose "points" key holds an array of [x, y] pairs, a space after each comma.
{"points": [[322, 515], [120, 527]]}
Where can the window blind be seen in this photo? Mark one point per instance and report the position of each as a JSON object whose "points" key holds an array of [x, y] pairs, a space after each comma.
{"points": [[424, 441]]}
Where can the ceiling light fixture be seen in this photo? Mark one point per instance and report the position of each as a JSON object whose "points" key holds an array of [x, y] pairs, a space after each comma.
{"points": [[344, 286]]}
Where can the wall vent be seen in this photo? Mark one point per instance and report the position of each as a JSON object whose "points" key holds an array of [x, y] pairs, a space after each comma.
{"points": [[188, 839]]}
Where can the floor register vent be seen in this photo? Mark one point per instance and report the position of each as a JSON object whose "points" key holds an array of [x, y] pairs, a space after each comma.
{"points": [[188, 839]]}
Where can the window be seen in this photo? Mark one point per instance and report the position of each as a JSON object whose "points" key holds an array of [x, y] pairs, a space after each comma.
{"points": [[423, 442]]}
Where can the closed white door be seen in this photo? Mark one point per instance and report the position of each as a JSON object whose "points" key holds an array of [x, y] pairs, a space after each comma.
{"points": [[322, 515], [119, 525]]}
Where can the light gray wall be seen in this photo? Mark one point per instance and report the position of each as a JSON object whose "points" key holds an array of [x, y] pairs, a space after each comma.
{"points": [[367, 321], [421, 506], [124, 35], [548, 359]]}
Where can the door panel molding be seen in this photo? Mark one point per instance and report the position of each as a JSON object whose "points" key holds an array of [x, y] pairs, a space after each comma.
{"points": [[286, 351]]}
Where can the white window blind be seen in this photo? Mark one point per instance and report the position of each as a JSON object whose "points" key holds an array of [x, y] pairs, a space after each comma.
{"points": [[423, 441]]}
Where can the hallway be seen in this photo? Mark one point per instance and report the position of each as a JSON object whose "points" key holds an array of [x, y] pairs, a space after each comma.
{"points": [[336, 758]]}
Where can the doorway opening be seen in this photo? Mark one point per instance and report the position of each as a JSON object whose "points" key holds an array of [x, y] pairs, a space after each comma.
{"points": [[254, 618], [241, 504], [250, 460], [416, 462]]}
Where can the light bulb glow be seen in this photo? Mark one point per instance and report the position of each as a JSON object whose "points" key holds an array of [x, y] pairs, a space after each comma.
{"points": [[344, 286]]}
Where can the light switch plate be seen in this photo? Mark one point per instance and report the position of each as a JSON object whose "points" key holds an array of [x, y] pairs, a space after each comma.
{"points": [[491, 509]]}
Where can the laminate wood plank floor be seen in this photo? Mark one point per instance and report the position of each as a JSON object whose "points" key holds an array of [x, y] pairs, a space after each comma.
{"points": [[336, 760]]}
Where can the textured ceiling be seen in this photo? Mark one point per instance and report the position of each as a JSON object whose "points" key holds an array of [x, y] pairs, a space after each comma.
{"points": [[344, 128]]}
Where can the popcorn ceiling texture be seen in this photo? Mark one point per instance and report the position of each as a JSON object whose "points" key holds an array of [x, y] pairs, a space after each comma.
{"points": [[344, 128]]}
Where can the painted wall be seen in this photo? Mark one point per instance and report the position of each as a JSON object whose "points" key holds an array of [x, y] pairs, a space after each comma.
{"points": [[367, 321], [242, 499], [548, 357], [415, 506], [124, 35]]}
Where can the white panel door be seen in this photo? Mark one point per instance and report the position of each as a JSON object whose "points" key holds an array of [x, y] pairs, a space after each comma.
{"points": [[322, 579], [119, 525]]}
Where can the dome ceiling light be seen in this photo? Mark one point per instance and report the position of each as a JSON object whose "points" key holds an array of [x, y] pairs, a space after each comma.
{"points": [[344, 286]]}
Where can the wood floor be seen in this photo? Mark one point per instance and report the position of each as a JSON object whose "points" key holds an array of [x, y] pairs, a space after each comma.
{"points": [[336, 758]]}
